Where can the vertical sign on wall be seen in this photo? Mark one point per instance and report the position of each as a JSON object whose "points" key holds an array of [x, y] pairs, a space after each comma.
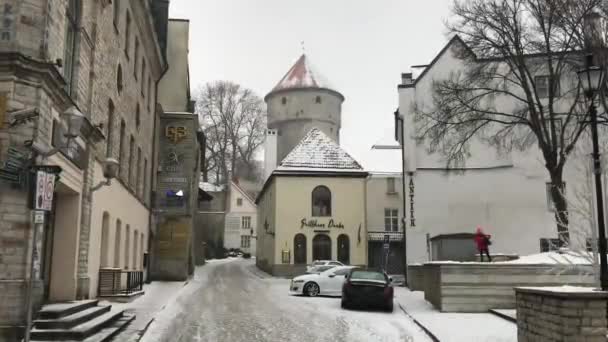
{"points": [[412, 218]]}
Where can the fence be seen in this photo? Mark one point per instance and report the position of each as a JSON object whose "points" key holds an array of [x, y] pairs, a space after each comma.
{"points": [[114, 281]]}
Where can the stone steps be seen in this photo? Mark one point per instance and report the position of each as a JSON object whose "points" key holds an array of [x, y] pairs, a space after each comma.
{"points": [[79, 321], [72, 320]]}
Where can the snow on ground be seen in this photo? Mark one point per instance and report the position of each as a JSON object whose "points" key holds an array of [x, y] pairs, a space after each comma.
{"points": [[362, 325], [456, 327], [168, 319], [231, 300], [553, 258], [564, 289]]}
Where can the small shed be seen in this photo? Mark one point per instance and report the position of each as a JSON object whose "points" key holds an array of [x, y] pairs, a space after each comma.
{"points": [[453, 247]]}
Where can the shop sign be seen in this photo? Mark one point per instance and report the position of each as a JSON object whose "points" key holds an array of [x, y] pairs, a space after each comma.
{"points": [[314, 223], [412, 218], [175, 134]]}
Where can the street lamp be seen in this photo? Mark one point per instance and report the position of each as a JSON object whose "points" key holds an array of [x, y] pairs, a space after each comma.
{"points": [[399, 136], [591, 79]]}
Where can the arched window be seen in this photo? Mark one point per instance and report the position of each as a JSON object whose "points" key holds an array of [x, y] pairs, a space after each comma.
{"points": [[299, 249], [110, 130], [117, 241], [135, 248], [127, 249], [137, 117], [119, 83], [73, 18], [105, 227], [321, 201], [318, 99], [344, 249], [321, 247]]}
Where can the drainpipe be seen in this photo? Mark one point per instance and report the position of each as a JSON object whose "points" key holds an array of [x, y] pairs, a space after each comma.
{"points": [[153, 170]]}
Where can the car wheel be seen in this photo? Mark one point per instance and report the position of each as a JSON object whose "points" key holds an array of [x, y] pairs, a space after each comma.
{"points": [[344, 304], [311, 289], [389, 307]]}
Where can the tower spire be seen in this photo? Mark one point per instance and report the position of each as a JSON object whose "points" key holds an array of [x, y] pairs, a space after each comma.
{"points": [[303, 47]]}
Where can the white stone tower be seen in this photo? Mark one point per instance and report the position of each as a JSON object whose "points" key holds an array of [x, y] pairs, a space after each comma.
{"points": [[300, 101]]}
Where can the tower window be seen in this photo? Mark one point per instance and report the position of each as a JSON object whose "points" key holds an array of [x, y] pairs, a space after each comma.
{"points": [[318, 99], [284, 100]]}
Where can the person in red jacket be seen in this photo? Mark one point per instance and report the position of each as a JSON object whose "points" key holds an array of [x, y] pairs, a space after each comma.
{"points": [[483, 242]]}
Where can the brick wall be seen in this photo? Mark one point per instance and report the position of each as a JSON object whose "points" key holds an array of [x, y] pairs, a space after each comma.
{"points": [[545, 315]]}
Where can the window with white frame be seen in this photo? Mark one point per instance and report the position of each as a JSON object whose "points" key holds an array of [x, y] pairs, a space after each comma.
{"points": [[245, 241], [246, 222], [390, 186], [542, 86], [391, 220]]}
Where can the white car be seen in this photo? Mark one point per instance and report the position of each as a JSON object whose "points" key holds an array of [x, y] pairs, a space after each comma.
{"points": [[327, 283], [324, 263]]}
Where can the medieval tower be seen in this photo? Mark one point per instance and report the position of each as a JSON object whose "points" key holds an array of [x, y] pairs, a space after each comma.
{"points": [[300, 101]]}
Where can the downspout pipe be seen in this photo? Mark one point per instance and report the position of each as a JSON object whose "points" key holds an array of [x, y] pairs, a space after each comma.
{"points": [[153, 170]]}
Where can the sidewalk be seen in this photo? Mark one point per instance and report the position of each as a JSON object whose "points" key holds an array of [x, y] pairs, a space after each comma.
{"points": [[157, 295], [456, 327]]}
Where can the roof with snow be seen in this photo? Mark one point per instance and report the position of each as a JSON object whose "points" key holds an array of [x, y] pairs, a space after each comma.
{"points": [[318, 152], [302, 75]]}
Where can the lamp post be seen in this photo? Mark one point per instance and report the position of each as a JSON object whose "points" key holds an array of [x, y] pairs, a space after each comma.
{"points": [[591, 79], [399, 136]]}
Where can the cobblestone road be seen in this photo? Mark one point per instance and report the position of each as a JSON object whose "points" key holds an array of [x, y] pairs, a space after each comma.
{"points": [[236, 302]]}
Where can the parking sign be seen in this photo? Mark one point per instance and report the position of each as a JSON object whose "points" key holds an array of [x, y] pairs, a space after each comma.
{"points": [[45, 186]]}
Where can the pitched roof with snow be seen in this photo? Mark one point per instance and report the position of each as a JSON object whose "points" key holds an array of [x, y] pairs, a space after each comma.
{"points": [[302, 75], [318, 152]]}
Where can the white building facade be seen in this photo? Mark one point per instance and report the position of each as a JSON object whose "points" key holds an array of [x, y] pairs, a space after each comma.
{"points": [[505, 194], [240, 223]]}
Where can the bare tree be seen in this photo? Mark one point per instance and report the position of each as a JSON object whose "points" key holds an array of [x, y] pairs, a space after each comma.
{"points": [[518, 88], [233, 119]]}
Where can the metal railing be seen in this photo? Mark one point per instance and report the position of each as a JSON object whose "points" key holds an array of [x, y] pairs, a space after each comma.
{"points": [[114, 281]]}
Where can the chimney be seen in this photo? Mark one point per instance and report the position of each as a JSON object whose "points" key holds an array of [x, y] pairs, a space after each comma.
{"points": [[270, 152], [406, 78]]}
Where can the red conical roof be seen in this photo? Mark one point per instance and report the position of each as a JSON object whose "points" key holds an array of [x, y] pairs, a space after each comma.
{"points": [[302, 75]]}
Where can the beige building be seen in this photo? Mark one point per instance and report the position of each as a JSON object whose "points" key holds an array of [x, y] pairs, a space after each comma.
{"points": [[312, 207], [97, 62]]}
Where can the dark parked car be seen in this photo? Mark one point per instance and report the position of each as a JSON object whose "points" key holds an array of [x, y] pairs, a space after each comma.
{"points": [[367, 288]]}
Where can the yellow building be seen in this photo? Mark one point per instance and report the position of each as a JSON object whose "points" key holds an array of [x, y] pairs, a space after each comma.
{"points": [[312, 207]]}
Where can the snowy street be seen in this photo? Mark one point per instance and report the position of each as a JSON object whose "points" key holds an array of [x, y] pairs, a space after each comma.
{"points": [[230, 300]]}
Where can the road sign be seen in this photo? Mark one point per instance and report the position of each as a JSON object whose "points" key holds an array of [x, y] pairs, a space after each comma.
{"points": [[45, 186], [387, 240], [38, 217]]}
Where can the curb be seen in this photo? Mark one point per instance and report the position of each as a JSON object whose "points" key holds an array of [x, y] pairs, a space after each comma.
{"points": [[425, 329], [503, 316]]}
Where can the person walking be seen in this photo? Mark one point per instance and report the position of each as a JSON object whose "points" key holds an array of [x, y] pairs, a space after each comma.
{"points": [[483, 243]]}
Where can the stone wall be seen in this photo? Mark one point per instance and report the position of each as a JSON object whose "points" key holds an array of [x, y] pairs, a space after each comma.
{"points": [[561, 315], [479, 287]]}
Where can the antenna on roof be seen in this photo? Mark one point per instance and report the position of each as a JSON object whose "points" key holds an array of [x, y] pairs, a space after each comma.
{"points": [[303, 48]]}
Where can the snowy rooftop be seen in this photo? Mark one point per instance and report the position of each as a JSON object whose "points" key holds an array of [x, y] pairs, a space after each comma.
{"points": [[210, 187], [302, 75], [317, 152]]}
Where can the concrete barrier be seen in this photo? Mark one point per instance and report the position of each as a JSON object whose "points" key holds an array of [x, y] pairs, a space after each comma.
{"points": [[478, 287]]}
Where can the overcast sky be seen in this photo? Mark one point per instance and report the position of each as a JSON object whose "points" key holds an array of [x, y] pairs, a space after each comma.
{"points": [[360, 46]]}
